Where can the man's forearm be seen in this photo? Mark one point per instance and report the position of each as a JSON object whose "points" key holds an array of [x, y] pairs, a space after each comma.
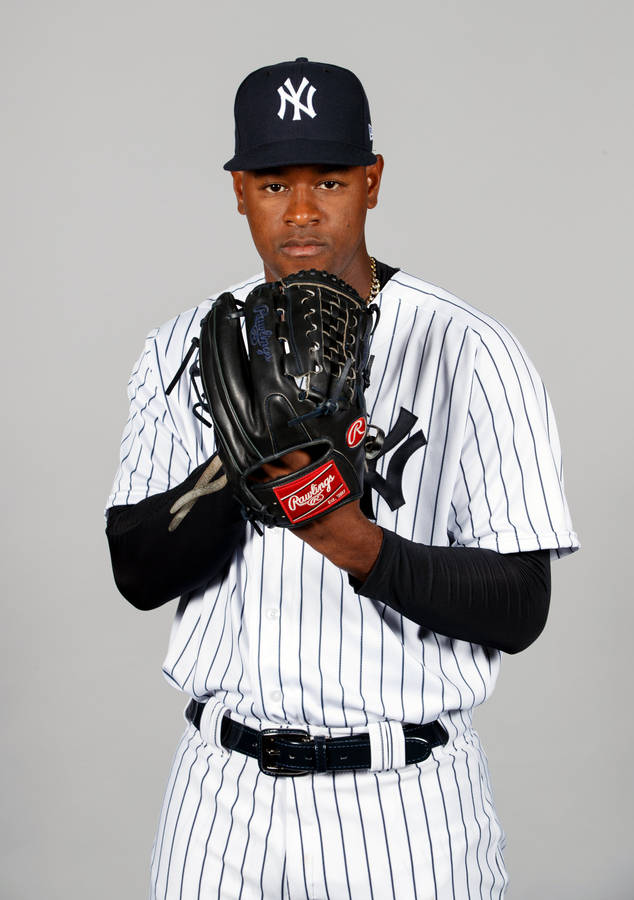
{"points": [[499, 600], [152, 565]]}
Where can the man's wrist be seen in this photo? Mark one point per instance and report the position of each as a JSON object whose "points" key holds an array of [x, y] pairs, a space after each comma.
{"points": [[349, 540]]}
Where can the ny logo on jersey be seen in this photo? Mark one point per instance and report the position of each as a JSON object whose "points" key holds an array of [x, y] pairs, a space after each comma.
{"points": [[290, 95], [390, 487]]}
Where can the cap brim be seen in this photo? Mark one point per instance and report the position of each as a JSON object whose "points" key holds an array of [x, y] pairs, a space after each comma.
{"points": [[301, 152]]}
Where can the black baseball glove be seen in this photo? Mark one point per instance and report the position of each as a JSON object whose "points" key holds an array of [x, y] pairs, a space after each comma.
{"points": [[299, 386]]}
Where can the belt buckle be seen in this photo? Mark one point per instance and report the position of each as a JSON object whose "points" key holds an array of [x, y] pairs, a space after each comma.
{"points": [[268, 753]]}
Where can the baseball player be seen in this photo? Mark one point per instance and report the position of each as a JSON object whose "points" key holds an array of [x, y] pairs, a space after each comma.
{"points": [[332, 669]]}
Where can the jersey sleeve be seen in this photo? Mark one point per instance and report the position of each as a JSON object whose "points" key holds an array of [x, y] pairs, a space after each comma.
{"points": [[509, 492], [153, 457]]}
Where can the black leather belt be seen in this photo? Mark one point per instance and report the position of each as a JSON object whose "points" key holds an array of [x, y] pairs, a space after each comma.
{"points": [[291, 751]]}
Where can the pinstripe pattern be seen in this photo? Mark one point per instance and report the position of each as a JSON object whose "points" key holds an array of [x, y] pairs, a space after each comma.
{"points": [[424, 831], [284, 639]]}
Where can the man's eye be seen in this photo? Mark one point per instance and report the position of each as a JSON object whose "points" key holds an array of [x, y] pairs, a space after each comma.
{"points": [[330, 185], [274, 188]]}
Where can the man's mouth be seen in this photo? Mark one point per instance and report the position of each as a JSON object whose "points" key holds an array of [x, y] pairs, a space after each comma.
{"points": [[308, 246]]}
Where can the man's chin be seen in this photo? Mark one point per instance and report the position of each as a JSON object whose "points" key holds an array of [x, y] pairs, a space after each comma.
{"points": [[298, 262]]}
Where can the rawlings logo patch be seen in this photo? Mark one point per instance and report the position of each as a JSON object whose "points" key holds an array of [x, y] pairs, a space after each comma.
{"points": [[313, 493], [356, 432], [259, 336], [313, 496]]}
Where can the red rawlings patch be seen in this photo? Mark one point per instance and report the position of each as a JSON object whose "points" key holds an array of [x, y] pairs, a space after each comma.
{"points": [[356, 432], [313, 493]]}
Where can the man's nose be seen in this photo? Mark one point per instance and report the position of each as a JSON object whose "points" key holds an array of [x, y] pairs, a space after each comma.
{"points": [[302, 208]]}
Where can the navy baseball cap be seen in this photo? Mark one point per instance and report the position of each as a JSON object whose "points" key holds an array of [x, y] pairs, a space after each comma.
{"points": [[301, 113]]}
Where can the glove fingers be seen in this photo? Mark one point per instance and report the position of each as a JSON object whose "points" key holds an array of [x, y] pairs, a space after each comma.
{"points": [[283, 335], [227, 381], [266, 351], [303, 327], [275, 391]]}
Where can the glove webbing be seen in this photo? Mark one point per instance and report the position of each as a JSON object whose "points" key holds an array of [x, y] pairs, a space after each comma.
{"points": [[339, 345]]}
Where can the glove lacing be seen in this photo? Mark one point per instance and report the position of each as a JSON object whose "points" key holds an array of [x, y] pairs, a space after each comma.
{"points": [[208, 483]]}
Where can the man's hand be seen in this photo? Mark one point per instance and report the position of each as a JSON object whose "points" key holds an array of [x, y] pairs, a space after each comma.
{"points": [[344, 536]]}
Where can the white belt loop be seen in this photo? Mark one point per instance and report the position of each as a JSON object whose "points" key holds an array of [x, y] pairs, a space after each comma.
{"points": [[211, 723], [387, 746]]}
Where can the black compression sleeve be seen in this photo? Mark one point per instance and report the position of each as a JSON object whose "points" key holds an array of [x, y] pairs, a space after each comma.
{"points": [[497, 599], [152, 565]]}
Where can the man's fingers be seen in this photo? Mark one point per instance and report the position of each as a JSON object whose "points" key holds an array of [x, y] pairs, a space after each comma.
{"points": [[285, 465], [294, 460]]}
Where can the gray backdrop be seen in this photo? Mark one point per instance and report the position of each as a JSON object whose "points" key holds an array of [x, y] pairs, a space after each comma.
{"points": [[507, 132]]}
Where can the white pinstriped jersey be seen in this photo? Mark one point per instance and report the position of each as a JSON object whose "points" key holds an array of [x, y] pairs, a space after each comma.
{"points": [[282, 637]]}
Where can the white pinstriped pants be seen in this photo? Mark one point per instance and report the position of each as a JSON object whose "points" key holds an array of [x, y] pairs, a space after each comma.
{"points": [[426, 831]]}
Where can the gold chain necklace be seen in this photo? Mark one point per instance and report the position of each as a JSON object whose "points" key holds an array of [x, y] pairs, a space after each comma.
{"points": [[375, 287]]}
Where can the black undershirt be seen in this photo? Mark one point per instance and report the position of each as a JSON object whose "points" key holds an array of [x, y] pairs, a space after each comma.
{"points": [[499, 600]]}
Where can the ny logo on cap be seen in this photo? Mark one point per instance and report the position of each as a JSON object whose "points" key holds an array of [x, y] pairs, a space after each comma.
{"points": [[290, 95]]}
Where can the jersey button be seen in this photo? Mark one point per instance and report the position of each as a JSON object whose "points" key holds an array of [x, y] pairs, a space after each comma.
{"points": [[272, 614], [276, 696]]}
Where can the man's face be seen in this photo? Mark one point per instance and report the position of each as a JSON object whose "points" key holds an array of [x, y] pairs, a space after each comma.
{"points": [[310, 217]]}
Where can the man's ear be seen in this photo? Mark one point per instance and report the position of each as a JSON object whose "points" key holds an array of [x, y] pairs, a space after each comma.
{"points": [[238, 189], [373, 175]]}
